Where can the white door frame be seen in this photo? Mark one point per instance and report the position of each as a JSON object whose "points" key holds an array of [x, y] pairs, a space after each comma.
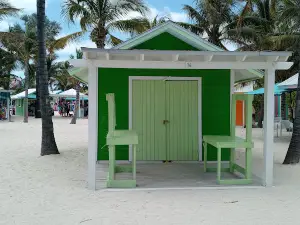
{"points": [[131, 78]]}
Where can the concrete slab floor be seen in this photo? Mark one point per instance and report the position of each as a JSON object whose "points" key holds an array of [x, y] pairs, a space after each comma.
{"points": [[170, 175]]}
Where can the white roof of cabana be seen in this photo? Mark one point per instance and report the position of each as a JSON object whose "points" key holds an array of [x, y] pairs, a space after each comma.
{"points": [[244, 89], [71, 93], [32, 91], [121, 56], [150, 59], [290, 83], [22, 94]]}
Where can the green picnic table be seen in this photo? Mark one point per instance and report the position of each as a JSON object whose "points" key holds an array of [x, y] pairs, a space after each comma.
{"points": [[232, 142]]}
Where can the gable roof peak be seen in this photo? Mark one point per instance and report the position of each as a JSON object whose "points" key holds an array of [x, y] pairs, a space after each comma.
{"points": [[173, 29]]}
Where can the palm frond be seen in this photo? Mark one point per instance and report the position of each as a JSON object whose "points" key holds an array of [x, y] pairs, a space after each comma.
{"points": [[191, 27], [6, 9], [244, 12], [283, 42], [136, 25], [122, 8], [193, 14], [113, 40], [74, 9], [64, 41]]}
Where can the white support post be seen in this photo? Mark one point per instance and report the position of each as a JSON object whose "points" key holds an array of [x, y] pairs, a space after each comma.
{"points": [[232, 78], [79, 114], [93, 126], [269, 126], [7, 108]]}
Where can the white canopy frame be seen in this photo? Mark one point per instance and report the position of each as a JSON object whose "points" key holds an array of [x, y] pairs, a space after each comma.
{"points": [[152, 59]]}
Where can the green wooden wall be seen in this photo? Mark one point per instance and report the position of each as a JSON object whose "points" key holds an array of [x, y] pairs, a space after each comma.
{"points": [[215, 96], [19, 107]]}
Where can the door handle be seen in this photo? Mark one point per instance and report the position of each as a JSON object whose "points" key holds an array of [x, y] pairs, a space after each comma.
{"points": [[166, 122]]}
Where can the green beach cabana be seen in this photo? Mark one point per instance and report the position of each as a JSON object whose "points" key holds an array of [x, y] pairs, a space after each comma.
{"points": [[173, 88], [19, 99]]}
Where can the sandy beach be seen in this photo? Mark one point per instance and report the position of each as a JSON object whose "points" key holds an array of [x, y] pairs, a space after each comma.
{"points": [[51, 190]]}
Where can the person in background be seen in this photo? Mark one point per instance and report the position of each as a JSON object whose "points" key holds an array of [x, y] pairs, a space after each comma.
{"points": [[253, 117], [1, 113], [68, 109]]}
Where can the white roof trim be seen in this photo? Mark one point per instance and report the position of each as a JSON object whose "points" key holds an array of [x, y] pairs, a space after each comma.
{"points": [[150, 59], [291, 82], [213, 56], [176, 31]]}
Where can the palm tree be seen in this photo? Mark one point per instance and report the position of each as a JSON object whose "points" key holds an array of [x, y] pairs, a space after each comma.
{"points": [[22, 43], [6, 9], [52, 29], [210, 17], [260, 27], [8, 63], [48, 140], [100, 17], [79, 55], [290, 14]]}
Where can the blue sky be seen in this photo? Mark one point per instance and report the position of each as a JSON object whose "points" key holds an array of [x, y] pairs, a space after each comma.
{"points": [[53, 11]]}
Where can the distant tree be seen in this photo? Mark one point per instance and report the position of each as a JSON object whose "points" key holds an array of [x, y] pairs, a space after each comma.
{"points": [[211, 18], [79, 55]]}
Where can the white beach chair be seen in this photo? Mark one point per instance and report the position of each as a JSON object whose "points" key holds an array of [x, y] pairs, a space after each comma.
{"points": [[288, 125], [277, 125]]}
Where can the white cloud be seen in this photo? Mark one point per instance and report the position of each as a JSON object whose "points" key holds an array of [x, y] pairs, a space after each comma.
{"points": [[25, 5], [70, 49], [4, 25], [176, 16]]}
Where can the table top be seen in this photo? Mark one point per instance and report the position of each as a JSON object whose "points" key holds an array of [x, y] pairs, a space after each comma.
{"points": [[226, 141]]}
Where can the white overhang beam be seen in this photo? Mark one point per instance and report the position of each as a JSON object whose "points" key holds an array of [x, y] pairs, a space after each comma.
{"points": [[142, 57], [209, 58], [241, 58], [175, 57], [185, 65], [107, 57], [78, 62]]}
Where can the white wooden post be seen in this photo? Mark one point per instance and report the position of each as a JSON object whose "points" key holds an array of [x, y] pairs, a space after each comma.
{"points": [[93, 126], [78, 115], [232, 77], [269, 126], [7, 108]]}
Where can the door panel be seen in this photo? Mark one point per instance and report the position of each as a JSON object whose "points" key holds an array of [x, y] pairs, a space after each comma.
{"points": [[182, 114], [148, 113]]}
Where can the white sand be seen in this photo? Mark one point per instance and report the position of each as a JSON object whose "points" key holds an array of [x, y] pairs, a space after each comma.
{"points": [[52, 190]]}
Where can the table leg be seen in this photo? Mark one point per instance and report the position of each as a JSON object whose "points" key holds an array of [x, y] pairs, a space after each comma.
{"points": [[134, 162], [232, 160], [112, 161], [248, 163], [205, 156], [219, 166]]}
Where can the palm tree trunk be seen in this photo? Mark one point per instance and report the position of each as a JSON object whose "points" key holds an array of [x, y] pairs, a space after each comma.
{"points": [[48, 140], [26, 91], [101, 36], [100, 43], [73, 121], [293, 153]]}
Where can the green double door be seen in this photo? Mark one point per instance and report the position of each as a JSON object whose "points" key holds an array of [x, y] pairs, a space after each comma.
{"points": [[165, 115]]}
